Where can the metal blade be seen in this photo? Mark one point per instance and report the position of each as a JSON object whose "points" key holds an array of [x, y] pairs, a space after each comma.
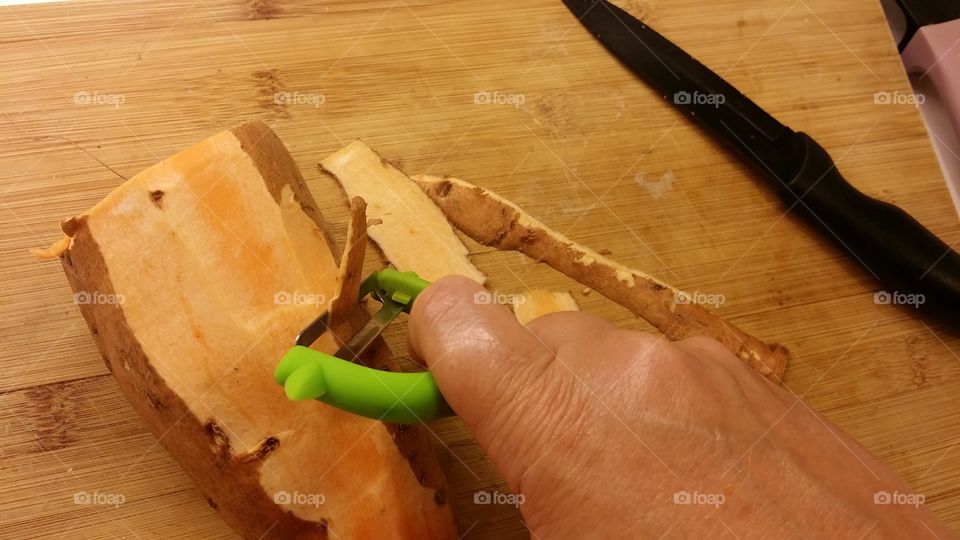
{"points": [[691, 86], [313, 331], [370, 331]]}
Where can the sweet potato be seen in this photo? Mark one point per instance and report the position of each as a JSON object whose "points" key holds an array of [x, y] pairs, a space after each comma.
{"points": [[198, 273], [538, 302]]}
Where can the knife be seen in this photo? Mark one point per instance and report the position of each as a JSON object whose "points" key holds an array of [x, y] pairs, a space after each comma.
{"points": [[912, 264]]}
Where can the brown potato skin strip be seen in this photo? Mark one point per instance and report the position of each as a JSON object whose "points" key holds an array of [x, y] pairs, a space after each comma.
{"points": [[493, 221], [346, 313]]}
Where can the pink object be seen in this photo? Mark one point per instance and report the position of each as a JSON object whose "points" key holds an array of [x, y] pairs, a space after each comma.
{"points": [[933, 59], [934, 53]]}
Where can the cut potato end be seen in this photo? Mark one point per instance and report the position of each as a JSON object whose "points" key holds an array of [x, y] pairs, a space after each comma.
{"points": [[538, 302]]}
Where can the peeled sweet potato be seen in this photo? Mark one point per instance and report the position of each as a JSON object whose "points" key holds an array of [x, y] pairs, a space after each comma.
{"points": [[197, 274]]}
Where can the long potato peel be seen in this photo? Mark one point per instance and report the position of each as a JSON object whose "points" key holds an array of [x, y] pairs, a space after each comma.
{"points": [[494, 221]]}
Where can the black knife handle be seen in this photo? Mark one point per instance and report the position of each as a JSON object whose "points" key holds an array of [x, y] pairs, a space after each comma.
{"points": [[906, 257]]}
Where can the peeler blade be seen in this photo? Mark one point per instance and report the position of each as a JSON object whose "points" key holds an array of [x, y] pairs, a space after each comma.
{"points": [[313, 331], [361, 340], [370, 331]]}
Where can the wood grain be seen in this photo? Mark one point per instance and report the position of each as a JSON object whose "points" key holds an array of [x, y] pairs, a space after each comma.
{"points": [[590, 151]]}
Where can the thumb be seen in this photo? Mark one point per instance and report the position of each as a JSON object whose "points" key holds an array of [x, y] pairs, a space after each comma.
{"points": [[489, 367]]}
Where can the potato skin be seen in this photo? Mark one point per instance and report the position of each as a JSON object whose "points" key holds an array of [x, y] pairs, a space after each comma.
{"points": [[496, 222]]}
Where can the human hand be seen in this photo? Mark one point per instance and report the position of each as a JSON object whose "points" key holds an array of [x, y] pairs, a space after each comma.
{"points": [[614, 433]]}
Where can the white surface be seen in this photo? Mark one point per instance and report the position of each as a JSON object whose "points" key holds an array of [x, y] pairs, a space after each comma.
{"points": [[945, 141]]}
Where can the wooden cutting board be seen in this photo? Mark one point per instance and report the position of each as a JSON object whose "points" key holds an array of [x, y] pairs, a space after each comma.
{"points": [[514, 96]]}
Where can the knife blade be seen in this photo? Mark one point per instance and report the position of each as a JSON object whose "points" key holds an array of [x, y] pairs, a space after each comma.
{"points": [[909, 261]]}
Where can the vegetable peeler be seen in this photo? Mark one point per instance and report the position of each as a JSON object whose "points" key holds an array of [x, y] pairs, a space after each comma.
{"points": [[401, 398]]}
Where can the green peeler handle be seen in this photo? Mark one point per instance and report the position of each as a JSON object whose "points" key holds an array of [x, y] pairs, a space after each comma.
{"points": [[401, 398], [401, 287]]}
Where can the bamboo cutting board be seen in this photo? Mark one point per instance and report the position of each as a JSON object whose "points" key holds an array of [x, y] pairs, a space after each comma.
{"points": [[514, 96]]}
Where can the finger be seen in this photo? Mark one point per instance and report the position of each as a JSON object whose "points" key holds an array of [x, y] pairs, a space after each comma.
{"points": [[479, 354]]}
